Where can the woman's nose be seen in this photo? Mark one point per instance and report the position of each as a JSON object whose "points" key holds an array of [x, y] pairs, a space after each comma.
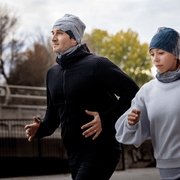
{"points": [[155, 58]]}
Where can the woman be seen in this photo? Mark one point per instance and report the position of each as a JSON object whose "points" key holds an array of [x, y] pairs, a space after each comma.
{"points": [[155, 110]]}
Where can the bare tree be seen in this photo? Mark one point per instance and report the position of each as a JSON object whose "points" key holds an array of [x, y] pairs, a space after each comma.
{"points": [[32, 71], [9, 47]]}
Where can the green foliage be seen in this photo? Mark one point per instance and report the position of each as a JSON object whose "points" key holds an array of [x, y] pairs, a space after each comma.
{"points": [[125, 51]]}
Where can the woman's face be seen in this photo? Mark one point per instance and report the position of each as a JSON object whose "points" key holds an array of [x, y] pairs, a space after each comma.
{"points": [[163, 60]]}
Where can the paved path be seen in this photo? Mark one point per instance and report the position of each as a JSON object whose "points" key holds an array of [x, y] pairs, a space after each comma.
{"points": [[130, 174]]}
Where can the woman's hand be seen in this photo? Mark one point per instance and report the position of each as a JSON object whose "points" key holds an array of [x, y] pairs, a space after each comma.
{"points": [[133, 117]]}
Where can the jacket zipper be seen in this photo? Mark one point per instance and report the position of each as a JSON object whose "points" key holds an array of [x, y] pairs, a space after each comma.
{"points": [[64, 93]]}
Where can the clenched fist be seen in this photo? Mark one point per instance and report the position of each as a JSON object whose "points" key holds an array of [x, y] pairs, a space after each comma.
{"points": [[133, 117]]}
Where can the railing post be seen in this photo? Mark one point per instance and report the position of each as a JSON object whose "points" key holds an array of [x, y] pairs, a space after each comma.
{"points": [[8, 93]]}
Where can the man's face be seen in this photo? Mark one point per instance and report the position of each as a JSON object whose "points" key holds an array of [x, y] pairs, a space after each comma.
{"points": [[61, 41]]}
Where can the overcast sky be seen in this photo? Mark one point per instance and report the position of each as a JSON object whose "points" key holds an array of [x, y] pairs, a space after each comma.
{"points": [[142, 16]]}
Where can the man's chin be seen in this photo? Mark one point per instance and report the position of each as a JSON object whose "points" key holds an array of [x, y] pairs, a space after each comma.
{"points": [[57, 50]]}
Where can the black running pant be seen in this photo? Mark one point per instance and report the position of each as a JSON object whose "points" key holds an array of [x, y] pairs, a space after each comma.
{"points": [[88, 167]]}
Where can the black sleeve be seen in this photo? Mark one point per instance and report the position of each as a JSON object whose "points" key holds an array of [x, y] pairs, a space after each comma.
{"points": [[117, 82], [51, 120]]}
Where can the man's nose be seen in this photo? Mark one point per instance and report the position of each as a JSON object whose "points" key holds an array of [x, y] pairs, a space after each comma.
{"points": [[54, 38]]}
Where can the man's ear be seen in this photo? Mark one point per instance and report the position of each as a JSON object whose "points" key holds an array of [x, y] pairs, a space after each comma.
{"points": [[74, 42]]}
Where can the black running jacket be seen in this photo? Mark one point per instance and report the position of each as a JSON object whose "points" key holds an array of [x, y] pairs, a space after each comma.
{"points": [[83, 81]]}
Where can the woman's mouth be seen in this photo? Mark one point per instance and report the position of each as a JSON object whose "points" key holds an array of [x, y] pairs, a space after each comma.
{"points": [[159, 66]]}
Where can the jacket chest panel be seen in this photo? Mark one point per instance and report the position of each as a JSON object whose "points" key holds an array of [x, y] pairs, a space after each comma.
{"points": [[71, 84], [78, 84]]}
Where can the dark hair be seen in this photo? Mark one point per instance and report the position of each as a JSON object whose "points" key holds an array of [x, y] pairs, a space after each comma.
{"points": [[70, 33], [177, 62]]}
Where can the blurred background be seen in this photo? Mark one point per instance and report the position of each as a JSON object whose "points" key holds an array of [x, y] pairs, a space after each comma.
{"points": [[120, 30]]}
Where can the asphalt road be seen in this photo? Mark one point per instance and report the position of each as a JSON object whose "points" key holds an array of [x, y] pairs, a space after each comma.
{"points": [[129, 174]]}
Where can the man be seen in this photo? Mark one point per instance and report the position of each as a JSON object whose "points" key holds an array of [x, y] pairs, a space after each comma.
{"points": [[81, 97]]}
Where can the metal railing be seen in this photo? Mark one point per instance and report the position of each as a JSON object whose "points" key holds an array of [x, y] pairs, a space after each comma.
{"points": [[17, 155], [14, 143], [7, 92]]}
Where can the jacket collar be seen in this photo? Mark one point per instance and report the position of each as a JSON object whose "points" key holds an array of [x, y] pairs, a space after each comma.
{"points": [[67, 60]]}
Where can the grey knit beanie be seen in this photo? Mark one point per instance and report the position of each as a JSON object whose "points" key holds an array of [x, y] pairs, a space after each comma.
{"points": [[71, 25], [166, 39]]}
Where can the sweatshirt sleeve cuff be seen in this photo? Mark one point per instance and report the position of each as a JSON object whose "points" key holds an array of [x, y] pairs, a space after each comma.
{"points": [[132, 127]]}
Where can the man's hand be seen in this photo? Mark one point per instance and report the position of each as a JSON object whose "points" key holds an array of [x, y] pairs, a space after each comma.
{"points": [[133, 117], [32, 129], [95, 126]]}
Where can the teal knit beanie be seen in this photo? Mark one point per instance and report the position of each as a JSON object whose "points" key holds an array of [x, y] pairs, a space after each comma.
{"points": [[166, 39]]}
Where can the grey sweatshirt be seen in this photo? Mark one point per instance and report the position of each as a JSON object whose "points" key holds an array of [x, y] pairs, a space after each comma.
{"points": [[159, 104]]}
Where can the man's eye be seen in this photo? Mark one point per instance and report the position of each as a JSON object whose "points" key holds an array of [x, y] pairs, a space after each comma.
{"points": [[152, 55], [161, 52]]}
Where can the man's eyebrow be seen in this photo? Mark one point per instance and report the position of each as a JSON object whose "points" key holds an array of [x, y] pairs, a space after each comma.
{"points": [[59, 30]]}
